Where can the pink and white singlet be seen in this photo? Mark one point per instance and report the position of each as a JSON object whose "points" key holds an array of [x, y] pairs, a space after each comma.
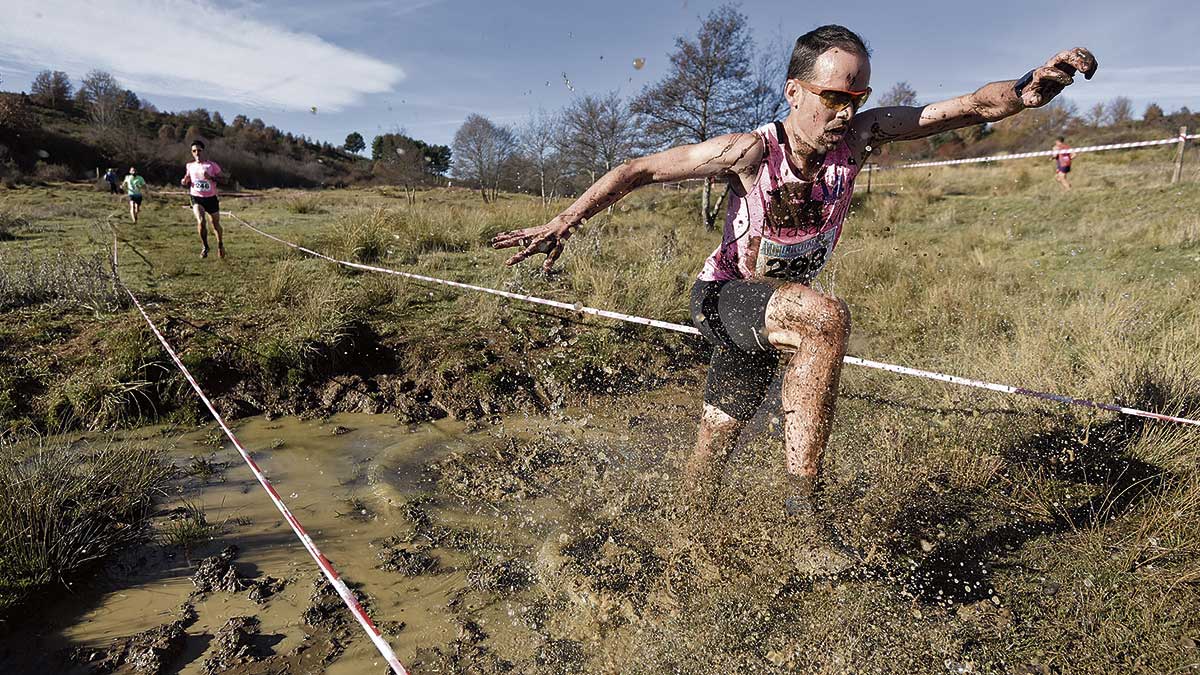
{"points": [[200, 178], [784, 227]]}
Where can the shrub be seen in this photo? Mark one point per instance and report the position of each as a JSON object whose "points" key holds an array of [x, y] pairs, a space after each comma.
{"points": [[10, 221], [82, 279], [305, 203], [45, 171], [367, 234]]}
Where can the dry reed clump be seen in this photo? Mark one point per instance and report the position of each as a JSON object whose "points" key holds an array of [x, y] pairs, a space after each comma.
{"points": [[86, 280], [54, 173], [365, 236], [288, 278], [10, 222], [66, 506], [305, 203]]}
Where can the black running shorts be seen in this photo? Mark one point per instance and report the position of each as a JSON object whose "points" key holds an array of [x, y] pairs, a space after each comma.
{"points": [[732, 317], [209, 204], [136, 199]]}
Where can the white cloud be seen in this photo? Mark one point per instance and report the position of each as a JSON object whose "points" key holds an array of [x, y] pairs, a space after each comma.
{"points": [[193, 50]]}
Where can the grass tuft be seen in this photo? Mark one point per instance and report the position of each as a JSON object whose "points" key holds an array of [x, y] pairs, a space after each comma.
{"points": [[66, 506]]}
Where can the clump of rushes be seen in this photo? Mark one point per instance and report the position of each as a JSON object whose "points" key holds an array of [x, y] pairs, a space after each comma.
{"points": [[65, 507], [86, 280], [305, 203]]}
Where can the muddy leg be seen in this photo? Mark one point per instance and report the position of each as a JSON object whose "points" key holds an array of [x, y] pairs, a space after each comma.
{"points": [[815, 328], [705, 468]]}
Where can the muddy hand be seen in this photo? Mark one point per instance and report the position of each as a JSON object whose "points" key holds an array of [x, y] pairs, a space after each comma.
{"points": [[1057, 74], [548, 239]]}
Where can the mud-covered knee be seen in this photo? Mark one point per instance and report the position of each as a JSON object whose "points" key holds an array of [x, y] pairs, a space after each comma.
{"points": [[840, 312]]}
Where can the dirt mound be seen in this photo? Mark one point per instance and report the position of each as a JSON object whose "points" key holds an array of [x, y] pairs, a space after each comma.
{"points": [[147, 653], [234, 645]]}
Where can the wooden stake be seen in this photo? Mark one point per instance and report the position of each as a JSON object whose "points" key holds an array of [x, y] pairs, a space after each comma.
{"points": [[1175, 177]]}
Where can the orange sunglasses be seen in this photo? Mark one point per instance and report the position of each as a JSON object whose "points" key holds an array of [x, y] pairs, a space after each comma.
{"points": [[836, 99]]}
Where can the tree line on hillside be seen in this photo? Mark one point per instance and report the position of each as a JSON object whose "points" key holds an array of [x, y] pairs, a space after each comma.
{"points": [[58, 131], [720, 81]]}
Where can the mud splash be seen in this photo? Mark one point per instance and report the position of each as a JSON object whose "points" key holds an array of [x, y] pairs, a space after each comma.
{"points": [[547, 544]]}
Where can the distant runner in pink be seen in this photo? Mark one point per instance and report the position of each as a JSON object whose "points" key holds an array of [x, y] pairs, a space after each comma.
{"points": [[1062, 162]]}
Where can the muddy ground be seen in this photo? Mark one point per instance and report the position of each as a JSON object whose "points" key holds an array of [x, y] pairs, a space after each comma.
{"points": [[556, 544]]}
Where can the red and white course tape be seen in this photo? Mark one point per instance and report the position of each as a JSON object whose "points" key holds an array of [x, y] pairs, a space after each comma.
{"points": [[322, 562], [680, 328], [1039, 153]]}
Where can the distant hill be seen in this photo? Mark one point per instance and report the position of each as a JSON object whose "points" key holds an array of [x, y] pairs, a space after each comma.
{"points": [[70, 141]]}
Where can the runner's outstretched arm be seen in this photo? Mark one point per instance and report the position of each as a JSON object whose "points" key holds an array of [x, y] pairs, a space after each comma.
{"points": [[722, 157], [991, 102]]}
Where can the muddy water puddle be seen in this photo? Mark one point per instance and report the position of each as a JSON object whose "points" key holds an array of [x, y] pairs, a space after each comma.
{"points": [[445, 551]]}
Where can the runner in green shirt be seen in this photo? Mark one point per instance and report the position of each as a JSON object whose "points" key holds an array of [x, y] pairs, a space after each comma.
{"points": [[134, 184]]}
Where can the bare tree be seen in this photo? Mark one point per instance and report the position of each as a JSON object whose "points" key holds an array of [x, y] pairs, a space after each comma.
{"points": [[52, 89], [1036, 126], [707, 92], [766, 102], [537, 144], [103, 97], [1097, 115], [1120, 110], [480, 151], [901, 93], [597, 134]]}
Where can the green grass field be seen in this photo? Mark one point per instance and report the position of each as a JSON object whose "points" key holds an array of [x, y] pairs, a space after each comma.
{"points": [[1006, 534]]}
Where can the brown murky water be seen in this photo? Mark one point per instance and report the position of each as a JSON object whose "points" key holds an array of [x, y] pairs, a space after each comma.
{"points": [[350, 480]]}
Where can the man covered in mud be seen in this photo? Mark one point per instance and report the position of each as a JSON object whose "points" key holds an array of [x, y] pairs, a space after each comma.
{"points": [[790, 187]]}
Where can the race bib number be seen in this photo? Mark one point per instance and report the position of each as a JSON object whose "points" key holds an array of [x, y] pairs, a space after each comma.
{"points": [[201, 185], [795, 262]]}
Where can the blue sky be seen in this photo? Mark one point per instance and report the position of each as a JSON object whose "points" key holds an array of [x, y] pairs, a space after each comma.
{"points": [[423, 65]]}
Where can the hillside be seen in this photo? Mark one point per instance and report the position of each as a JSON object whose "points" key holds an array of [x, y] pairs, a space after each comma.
{"points": [[41, 142]]}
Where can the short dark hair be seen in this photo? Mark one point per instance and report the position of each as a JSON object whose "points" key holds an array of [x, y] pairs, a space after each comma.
{"points": [[818, 41], [1063, 139], [199, 143]]}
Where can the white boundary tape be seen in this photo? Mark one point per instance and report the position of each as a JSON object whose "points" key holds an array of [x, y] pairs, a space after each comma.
{"points": [[679, 328], [1039, 153], [327, 568]]}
